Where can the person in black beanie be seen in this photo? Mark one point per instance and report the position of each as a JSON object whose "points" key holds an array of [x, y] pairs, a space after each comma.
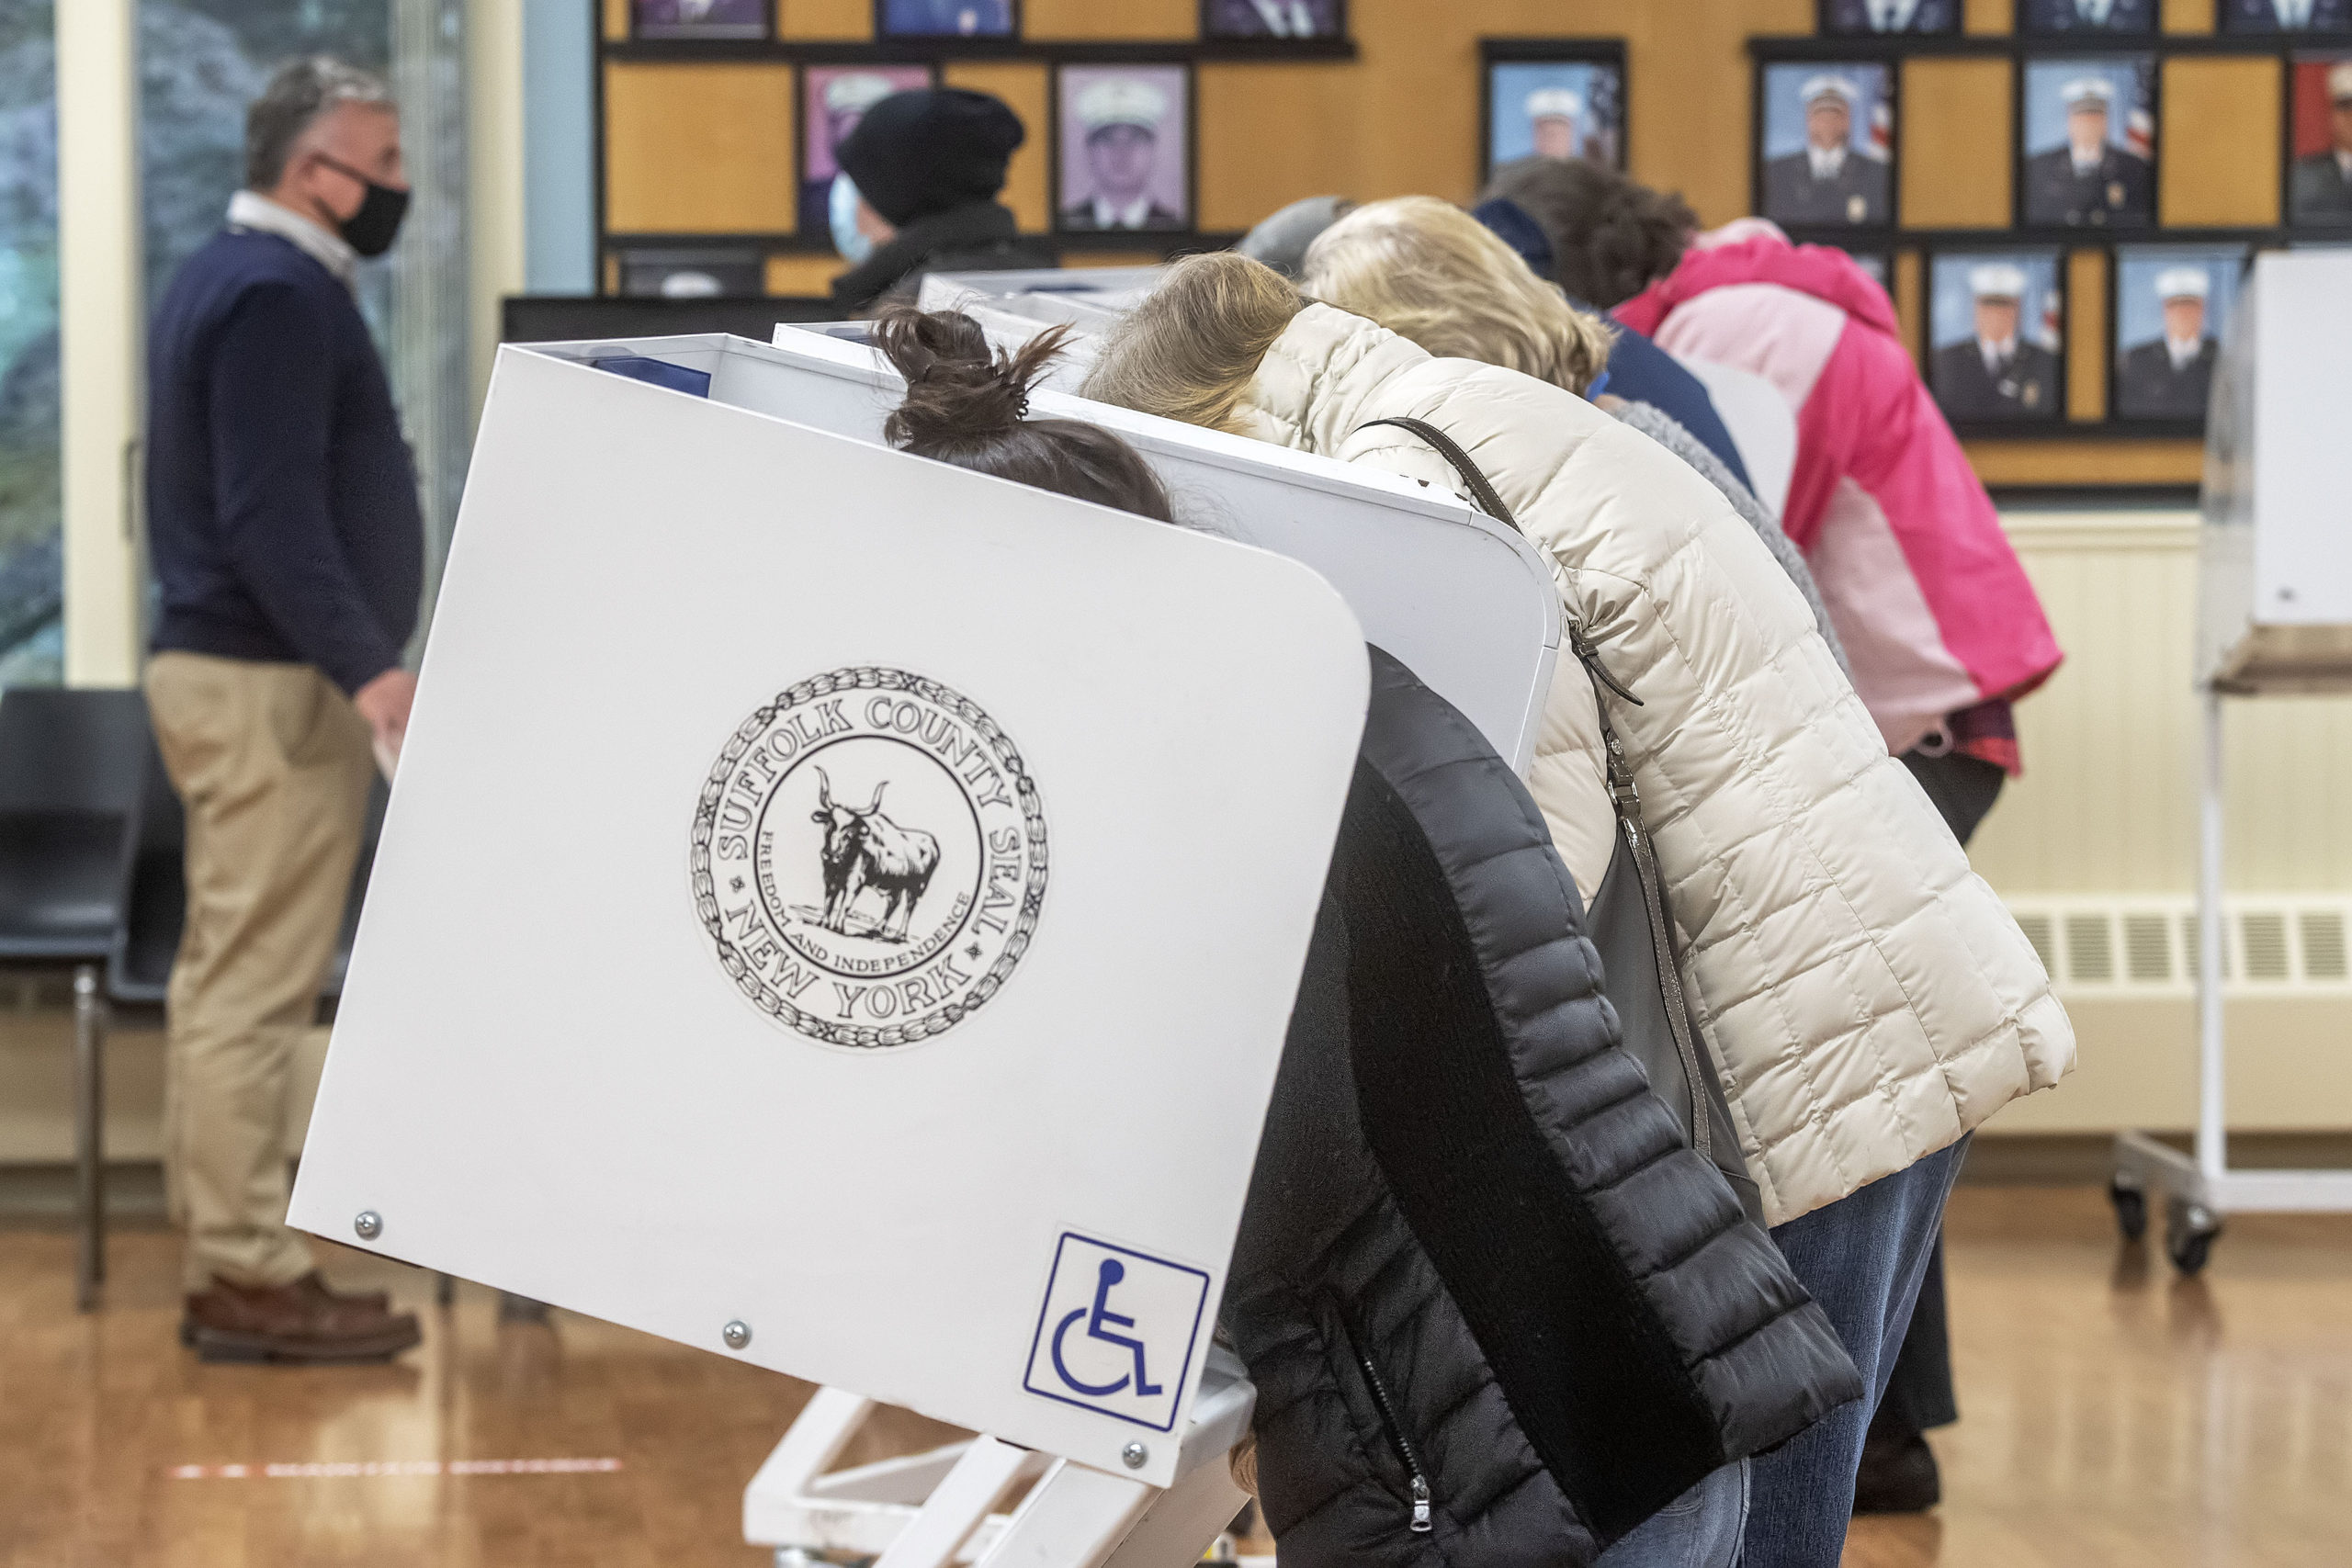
{"points": [[927, 167]]}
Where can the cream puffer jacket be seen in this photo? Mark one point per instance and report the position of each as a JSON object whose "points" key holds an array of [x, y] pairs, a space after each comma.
{"points": [[1867, 998]]}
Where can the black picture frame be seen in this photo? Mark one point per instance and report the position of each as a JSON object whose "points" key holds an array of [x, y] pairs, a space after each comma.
{"points": [[1602, 52], [2022, 214], [1158, 240], [813, 224], [2330, 20], [694, 32], [2130, 19], [2040, 425], [1272, 42], [1850, 18], [2140, 423], [1879, 57], [885, 35]]}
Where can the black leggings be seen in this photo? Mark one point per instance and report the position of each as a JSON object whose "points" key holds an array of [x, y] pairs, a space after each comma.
{"points": [[1919, 1394]]}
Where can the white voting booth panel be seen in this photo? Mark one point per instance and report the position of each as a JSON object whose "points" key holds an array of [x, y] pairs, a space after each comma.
{"points": [[2274, 616], [2275, 580], [1461, 599], [839, 910]]}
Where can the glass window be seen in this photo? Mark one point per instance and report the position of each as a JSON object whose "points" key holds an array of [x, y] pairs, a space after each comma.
{"points": [[32, 574]]}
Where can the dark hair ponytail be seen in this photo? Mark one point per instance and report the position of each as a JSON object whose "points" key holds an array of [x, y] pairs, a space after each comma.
{"points": [[967, 404]]}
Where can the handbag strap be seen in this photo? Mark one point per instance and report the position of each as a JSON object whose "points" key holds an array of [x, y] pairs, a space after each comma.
{"points": [[1622, 795]]}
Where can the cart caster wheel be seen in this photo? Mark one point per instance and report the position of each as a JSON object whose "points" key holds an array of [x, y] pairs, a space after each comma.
{"points": [[2190, 1230], [2131, 1209]]}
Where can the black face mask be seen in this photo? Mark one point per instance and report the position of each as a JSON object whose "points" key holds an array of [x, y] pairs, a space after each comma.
{"points": [[371, 229]]}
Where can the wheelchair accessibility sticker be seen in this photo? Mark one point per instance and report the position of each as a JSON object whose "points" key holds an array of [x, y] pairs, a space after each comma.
{"points": [[1116, 1335]]}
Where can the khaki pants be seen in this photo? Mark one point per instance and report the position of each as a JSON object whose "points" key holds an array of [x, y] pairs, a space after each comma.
{"points": [[273, 765]]}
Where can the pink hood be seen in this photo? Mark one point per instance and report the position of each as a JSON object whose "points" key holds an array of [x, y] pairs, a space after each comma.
{"points": [[1827, 274]]}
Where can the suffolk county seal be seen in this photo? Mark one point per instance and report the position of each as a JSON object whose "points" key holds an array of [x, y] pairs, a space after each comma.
{"points": [[869, 858]]}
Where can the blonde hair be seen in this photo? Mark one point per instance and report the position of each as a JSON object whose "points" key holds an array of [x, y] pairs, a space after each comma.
{"points": [[1188, 351], [1429, 271]]}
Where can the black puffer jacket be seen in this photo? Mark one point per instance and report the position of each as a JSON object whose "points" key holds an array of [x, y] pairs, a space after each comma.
{"points": [[1478, 1257]]}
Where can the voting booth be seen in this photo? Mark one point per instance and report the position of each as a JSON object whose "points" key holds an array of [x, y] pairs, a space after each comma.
{"points": [[843, 911], [2274, 619]]}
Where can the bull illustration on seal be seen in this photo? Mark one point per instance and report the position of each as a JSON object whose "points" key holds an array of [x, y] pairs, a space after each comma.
{"points": [[865, 849]]}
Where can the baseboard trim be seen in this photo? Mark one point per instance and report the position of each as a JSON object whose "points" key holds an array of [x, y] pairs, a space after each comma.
{"points": [[2076, 1159]]}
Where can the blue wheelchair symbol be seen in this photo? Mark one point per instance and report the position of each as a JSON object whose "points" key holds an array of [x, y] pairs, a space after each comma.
{"points": [[1110, 1274], [1117, 1331]]}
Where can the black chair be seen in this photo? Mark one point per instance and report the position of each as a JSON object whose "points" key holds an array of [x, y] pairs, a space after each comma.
{"points": [[71, 765]]}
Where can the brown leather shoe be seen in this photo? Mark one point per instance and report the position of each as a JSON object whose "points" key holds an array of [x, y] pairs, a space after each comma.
{"points": [[303, 1321]]}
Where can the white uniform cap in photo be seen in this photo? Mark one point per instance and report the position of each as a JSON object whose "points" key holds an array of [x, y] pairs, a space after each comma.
{"points": [[2084, 92], [857, 93], [1819, 87], [2339, 83], [2183, 283], [1997, 280], [1554, 103], [1121, 100]]}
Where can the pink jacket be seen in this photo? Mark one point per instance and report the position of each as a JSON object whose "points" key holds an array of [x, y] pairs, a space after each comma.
{"points": [[1931, 601]]}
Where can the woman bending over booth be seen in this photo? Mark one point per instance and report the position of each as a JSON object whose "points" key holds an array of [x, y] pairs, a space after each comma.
{"points": [[1867, 998]]}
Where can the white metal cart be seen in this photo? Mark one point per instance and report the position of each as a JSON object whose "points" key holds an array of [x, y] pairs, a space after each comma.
{"points": [[2275, 617]]}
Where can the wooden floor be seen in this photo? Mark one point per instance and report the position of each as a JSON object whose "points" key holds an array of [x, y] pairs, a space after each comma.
{"points": [[2113, 1417]]}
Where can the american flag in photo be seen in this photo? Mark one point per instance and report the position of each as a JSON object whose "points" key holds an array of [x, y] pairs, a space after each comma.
{"points": [[1882, 145], [2052, 301], [2139, 125]]}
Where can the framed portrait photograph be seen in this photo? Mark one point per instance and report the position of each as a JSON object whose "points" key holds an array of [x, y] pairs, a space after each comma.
{"points": [[946, 19], [1996, 336], [2053, 18], [1123, 155], [1273, 18], [701, 19], [2319, 171], [2089, 141], [1572, 105], [1829, 143], [1852, 18], [834, 98], [712, 272], [2171, 303], [2283, 15]]}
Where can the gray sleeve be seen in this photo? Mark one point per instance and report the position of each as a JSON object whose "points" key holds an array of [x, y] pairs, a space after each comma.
{"points": [[1662, 428]]}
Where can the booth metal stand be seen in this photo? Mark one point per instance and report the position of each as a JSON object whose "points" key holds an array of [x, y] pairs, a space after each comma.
{"points": [[928, 1510], [2275, 595]]}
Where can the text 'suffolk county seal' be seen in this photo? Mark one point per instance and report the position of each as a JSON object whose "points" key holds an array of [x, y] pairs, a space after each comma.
{"points": [[869, 858]]}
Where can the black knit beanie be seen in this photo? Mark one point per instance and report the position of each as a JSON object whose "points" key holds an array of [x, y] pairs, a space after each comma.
{"points": [[926, 151]]}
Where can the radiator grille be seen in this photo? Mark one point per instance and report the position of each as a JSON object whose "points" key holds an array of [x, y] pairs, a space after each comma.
{"points": [[2138, 945]]}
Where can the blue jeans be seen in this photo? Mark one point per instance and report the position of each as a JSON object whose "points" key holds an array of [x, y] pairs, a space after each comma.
{"points": [[1862, 1257], [1699, 1529]]}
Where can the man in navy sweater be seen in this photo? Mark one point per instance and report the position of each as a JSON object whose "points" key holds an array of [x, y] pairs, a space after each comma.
{"points": [[289, 549]]}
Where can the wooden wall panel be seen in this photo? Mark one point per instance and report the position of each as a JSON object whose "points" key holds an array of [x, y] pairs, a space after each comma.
{"points": [[1023, 87], [2221, 142], [2188, 15], [1910, 293], [2010, 462], [1955, 144], [699, 149], [616, 19], [1153, 20], [1248, 169], [825, 20], [1992, 19], [2086, 344], [805, 275]]}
